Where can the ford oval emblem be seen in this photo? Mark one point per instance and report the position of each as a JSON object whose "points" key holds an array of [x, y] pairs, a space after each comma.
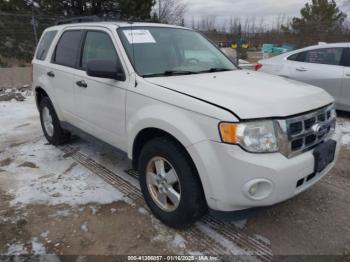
{"points": [[319, 129]]}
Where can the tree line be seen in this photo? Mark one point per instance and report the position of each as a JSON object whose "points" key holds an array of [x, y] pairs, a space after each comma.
{"points": [[22, 21], [319, 21]]}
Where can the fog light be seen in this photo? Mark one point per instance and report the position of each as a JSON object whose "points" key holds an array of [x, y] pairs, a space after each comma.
{"points": [[253, 189], [258, 189]]}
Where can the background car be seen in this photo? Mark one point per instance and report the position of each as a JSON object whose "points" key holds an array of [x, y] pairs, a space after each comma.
{"points": [[325, 65]]}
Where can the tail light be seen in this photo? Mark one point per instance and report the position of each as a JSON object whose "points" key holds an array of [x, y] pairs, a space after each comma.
{"points": [[258, 66]]}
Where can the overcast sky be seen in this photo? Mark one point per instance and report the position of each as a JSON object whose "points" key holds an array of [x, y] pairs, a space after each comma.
{"points": [[245, 8]]}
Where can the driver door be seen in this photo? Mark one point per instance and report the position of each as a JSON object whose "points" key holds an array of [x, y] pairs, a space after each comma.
{"points": [[101, 101]]}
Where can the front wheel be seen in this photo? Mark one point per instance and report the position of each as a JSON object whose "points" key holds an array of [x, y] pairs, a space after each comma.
{"points": [[170, 183]]}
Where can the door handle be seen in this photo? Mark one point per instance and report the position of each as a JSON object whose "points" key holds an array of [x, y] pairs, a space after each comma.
{"points": [[348, 74], [82, 83], [51, 74], [301, 69]]}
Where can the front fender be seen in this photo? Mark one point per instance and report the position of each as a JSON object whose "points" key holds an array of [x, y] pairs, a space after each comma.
{"points": [[187, 127]]}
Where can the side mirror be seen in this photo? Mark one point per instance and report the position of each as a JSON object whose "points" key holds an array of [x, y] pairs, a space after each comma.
{"points": [[105, 69]]}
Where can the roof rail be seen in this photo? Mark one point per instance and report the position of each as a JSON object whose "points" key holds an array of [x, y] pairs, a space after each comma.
{"points": [[86, 19], [78, 19]]}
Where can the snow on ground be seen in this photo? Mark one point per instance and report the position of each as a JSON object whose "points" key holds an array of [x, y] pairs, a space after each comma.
{"points": [[38, 173], [345, 127], [14, 115], [34, 172], [16, 249], [54, 180]]}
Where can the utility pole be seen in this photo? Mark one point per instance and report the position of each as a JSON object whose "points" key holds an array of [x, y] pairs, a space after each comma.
{"points": [[34, 25], [159, 9], [239, 42]]}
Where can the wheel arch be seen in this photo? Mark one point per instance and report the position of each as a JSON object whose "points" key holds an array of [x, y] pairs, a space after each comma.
{"points": [[40, 93], [150, 133], [146, 134]]}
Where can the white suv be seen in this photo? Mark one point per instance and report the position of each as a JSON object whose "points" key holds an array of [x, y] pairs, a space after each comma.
{"points": [[201, 132]]}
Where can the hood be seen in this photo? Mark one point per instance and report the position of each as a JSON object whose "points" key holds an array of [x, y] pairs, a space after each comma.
{"points": [[249, 94]]}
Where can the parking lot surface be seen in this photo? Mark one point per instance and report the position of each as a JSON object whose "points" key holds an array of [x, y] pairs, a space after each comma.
{"points": [[83, 199]]}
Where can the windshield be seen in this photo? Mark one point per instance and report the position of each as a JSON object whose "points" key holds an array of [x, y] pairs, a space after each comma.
{"points": [[164, 51]]}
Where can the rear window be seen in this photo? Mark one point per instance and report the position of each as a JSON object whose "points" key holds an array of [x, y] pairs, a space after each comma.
{"points": [[68, 48], [45, 44]]}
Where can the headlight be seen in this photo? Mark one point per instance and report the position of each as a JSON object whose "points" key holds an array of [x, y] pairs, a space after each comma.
{"points": [[256, 137]]}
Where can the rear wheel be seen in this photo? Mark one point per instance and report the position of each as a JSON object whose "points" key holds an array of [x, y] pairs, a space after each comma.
{"points": [[170, 183], [50, 124]]}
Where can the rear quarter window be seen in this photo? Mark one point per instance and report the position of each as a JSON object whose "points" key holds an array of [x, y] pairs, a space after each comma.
{"points": [[44, 45], [68, 48], [298, 57]]}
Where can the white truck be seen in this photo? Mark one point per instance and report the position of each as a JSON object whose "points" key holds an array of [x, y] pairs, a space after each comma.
{"points": [[202, 133]]}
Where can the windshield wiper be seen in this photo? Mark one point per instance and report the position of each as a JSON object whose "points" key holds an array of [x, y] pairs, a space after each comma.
{"points": [[215, 69], [171, 73]]}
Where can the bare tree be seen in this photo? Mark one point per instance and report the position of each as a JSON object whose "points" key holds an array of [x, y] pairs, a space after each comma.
{"points": [[171, 11], [208, 23]]}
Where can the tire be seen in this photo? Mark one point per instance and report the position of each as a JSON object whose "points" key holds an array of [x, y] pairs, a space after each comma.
{"points": [[53, 132], [192, 204]]}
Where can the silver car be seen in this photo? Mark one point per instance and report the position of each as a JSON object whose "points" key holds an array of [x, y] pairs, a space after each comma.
{"points": [[325, 65]]}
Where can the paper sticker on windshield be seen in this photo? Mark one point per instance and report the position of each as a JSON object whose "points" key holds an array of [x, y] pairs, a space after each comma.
{"points": [[139, 36]]}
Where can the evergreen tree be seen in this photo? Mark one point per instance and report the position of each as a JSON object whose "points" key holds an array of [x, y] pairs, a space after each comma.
{"points": [[321, 20]]}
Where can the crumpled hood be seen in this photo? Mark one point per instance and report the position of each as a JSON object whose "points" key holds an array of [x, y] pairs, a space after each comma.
{"points": [[249, 94]]}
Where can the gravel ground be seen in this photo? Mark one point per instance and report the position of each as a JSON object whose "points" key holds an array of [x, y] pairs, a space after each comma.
{"points": [[51, 204]]}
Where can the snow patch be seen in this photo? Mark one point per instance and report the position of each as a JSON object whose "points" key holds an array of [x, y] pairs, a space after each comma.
{"points": [[93, 210], [179, 241], [84, 227], [45, 234], [345, 128], [16, 249], [61, 213], [58, 180], [37, 247], [262, 239], [143, 211], [240, 223], [55, 182]]}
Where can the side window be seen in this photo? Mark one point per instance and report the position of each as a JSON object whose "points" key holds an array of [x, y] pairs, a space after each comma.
{"points": [[98, 46], [45, 44], [326, 56], [68, 48], [298, 57]]}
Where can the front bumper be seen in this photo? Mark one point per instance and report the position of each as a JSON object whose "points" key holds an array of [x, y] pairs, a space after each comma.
{"points": [[225, 171]]}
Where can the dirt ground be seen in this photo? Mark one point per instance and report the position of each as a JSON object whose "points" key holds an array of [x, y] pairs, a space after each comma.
{"points": [[54, 202]]}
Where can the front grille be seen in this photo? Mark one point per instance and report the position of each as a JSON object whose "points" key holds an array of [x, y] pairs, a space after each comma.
{"points": [[306, 131]]}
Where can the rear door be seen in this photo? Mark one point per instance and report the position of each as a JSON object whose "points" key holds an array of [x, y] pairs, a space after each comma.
{"points": [[61, 72], [101, 101], [320, 67], [344, 100]]}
